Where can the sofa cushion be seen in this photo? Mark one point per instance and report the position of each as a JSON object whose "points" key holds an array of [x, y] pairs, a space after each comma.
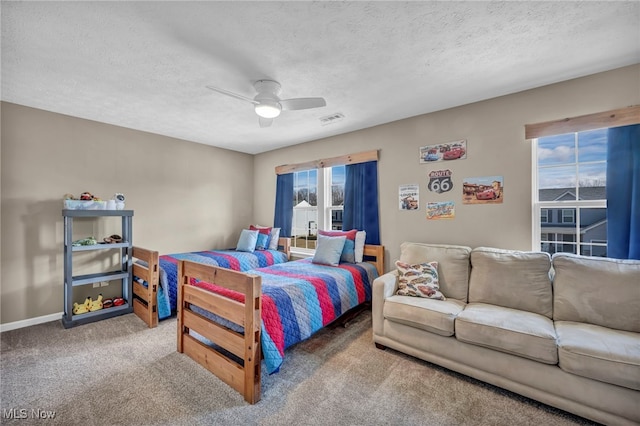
{"points": [[512, 279], [453, 265], [599, 353], [435, 316], [597, 290], [521, 333], [419, 280]]}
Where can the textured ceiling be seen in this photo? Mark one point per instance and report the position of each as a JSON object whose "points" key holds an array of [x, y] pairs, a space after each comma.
{"points": [[144, 65]]}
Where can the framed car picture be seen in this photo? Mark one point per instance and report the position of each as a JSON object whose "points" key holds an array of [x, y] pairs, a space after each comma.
{"points": [[456, 150], [483, 190]]}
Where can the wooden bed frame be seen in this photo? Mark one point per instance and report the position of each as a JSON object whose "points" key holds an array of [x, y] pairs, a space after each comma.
{"points": [[242, 374], [145, 299]]}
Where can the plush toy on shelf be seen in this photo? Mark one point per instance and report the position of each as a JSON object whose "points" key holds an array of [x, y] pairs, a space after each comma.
{"points": [[81, 308], [96, 305]]}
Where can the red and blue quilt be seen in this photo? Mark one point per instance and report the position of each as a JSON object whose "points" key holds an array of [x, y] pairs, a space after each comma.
{"points": [[301, 297], [229, 259]]}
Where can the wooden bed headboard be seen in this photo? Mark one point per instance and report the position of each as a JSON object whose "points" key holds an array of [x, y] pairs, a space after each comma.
{"points": [[377, 253]]}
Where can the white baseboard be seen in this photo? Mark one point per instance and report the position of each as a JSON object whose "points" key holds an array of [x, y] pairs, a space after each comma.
{"points": [[31, 321]]}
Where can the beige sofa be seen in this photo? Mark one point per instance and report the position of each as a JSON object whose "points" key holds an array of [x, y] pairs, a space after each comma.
{"points": [[572, 342]]}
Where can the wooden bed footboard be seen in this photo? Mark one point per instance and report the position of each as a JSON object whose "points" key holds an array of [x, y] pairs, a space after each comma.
{"points": [[145, 299], [242, 370]]}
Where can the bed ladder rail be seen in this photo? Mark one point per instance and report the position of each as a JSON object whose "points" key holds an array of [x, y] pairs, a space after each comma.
{"points": [[243, 376], [145, 299]]}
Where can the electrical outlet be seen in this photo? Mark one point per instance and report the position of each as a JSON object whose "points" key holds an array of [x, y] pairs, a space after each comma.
{"points": [[104, 283], [96, 285]]}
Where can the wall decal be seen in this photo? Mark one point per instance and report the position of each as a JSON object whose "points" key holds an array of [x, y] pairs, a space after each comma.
{"points": [[409, 196], [441, 210], [456, 150], [440, 181], [483, 190]]}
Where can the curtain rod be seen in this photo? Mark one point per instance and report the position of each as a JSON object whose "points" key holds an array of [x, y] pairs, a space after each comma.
{"points": [[360, 157], [614, 118]]}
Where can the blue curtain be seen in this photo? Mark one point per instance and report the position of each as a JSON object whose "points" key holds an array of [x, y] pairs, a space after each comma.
{"points": [[623, 192], [361, 200], [283, 215]]}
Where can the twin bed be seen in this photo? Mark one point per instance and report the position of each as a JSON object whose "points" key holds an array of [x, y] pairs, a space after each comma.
{"points": [[229, 320]]}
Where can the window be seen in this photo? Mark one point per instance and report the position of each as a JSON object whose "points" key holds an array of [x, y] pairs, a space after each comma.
{"points": [[544, 216], [316, 191], [305, 209], [570, 193], [568, 215]]}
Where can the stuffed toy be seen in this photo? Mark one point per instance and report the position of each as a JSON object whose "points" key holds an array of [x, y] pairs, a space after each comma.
{"points": [[96, 304], [82, 308]]}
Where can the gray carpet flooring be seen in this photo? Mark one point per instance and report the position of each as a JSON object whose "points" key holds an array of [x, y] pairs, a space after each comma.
{"points": [[118, 372]]}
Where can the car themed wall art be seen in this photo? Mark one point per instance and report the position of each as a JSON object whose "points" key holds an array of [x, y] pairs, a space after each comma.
{"points": [[440, 181], [456, 150], [483, 190]]}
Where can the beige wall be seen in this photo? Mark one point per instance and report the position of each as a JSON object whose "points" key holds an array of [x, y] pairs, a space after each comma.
{"points": [[188, 196], [494, 131], [185, 196]]}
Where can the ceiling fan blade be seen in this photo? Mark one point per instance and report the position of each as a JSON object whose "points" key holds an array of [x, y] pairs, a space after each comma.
{"points": [[265, 122], [302, 103], [233, 95]]}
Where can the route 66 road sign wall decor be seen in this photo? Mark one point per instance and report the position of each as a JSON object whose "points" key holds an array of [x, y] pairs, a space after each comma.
{"points": [[440, 181]]}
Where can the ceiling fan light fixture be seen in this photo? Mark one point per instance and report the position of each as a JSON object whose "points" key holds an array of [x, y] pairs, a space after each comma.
{"points": [[266, 109]]}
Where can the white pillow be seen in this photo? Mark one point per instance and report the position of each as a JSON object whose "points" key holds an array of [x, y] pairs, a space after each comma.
{"points": [[361, 236], [275, 235], [247, 240], [329, 250]]}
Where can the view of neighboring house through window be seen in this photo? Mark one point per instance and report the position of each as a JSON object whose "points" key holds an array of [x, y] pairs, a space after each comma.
{"points": [[318, 198], [570, 194]]}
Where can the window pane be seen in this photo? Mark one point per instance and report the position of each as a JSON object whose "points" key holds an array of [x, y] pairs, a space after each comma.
{"points": [[561, 242], [558, 149], [557, 183], [305, 211], [305, 227], [336, 220], [592, 179], [593, 231], [592, 145], [337, 185]]}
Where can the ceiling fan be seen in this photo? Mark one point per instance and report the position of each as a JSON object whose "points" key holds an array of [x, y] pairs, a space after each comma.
{"points": [[268, 105]]}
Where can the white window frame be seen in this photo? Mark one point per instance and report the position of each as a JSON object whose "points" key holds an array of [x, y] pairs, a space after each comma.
{"points": [[324, 209], [538, 205]]}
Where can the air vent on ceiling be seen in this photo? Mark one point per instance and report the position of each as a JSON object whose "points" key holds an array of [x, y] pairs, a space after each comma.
{"points": [[330, 119]]}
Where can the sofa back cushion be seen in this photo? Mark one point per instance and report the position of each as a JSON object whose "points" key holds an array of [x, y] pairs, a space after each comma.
{"points": [[453, 265], [596, 290], [511, 279]]}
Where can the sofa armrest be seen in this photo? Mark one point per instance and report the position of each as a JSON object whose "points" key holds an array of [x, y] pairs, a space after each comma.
{"points": [[384, 286]]}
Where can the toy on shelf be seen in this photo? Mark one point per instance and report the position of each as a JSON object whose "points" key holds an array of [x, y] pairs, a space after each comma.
{"points": [[89, 241], [118, 301], [115, 238], [82, 308], [86, 201], [107, 303], [96, 305]]}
